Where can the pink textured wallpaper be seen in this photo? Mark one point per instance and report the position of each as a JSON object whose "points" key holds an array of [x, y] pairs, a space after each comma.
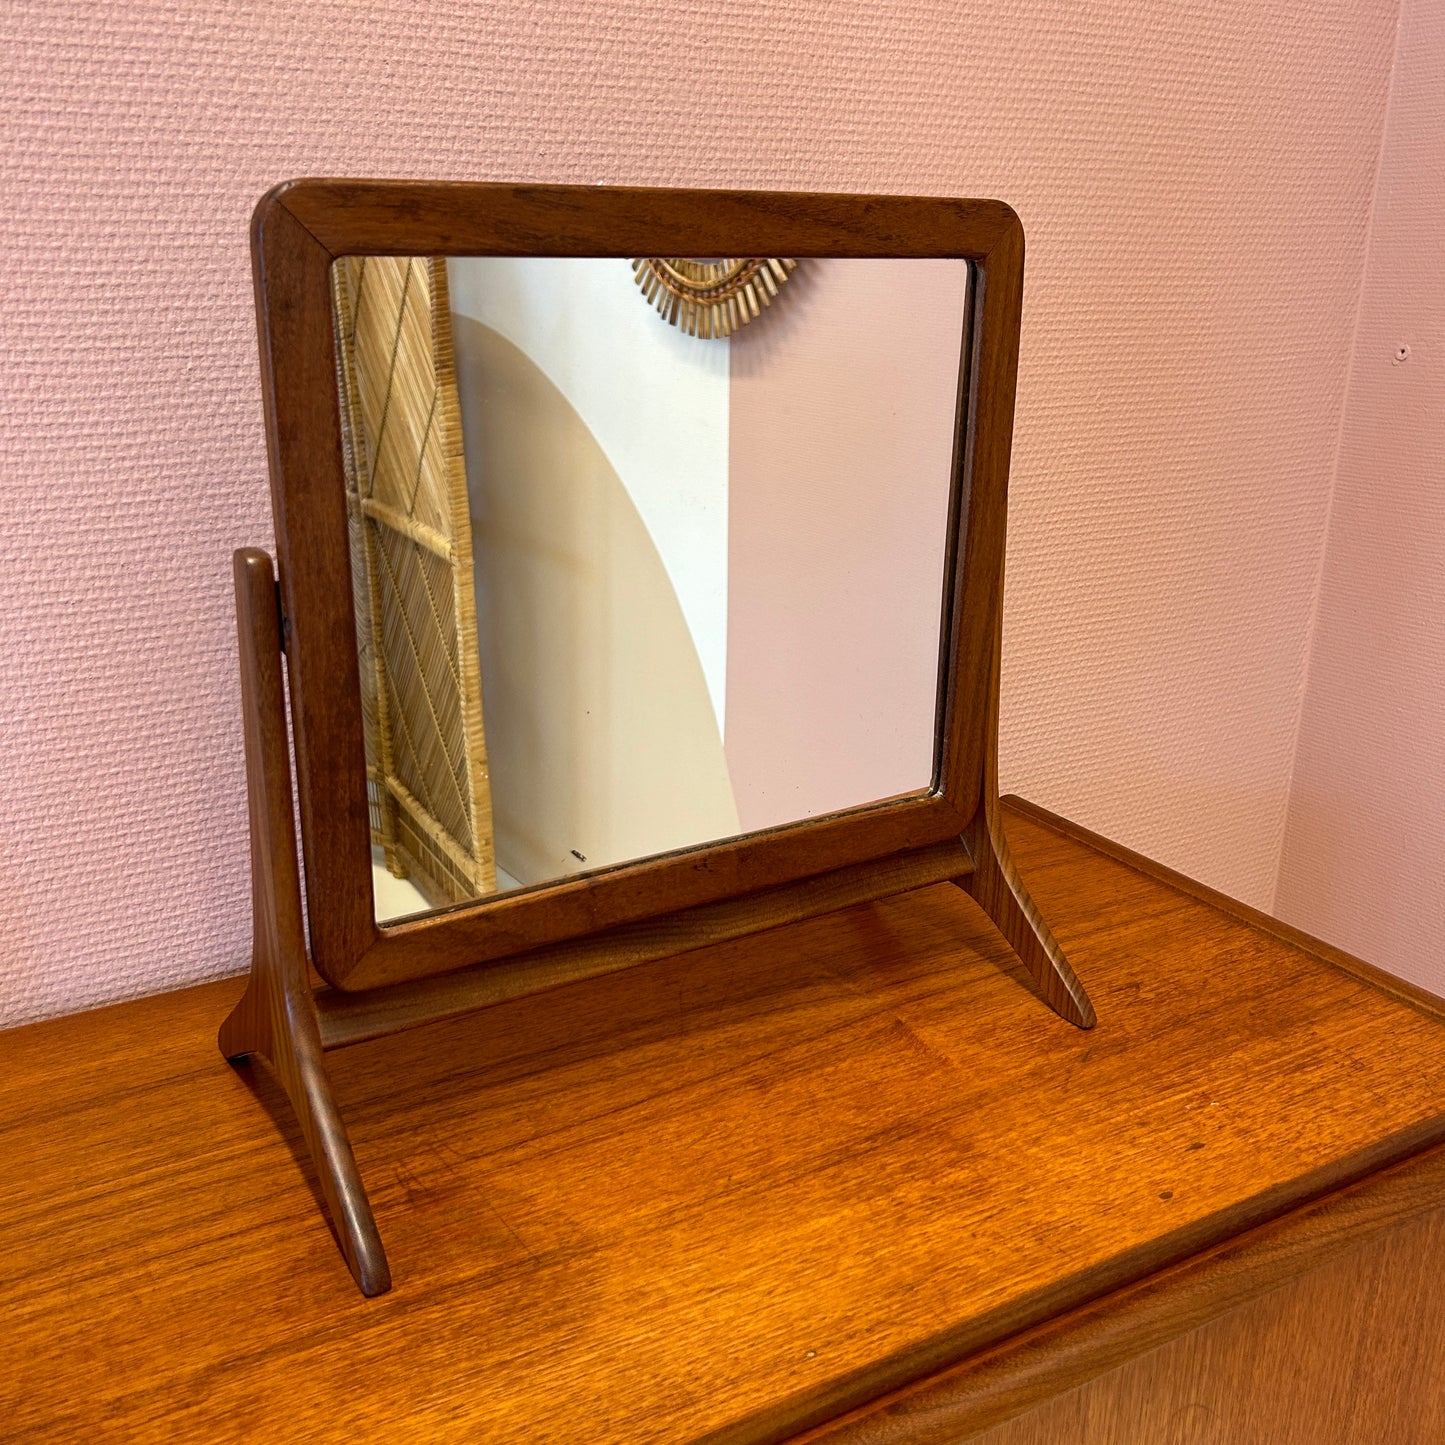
{"points": [[1195, 185], [1364, 853]]}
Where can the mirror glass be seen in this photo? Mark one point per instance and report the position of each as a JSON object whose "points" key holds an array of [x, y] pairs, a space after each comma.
{"points": [[644, 554]]}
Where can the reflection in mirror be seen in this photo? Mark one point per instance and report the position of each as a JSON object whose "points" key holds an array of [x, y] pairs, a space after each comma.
{"points": [[621, 589]]}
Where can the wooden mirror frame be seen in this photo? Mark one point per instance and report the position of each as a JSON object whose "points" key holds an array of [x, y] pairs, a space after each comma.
{"points": [[390, 976]]}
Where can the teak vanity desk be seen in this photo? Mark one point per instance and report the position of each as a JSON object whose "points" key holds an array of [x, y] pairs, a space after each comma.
{"points": [[817, 1164], [883, 1197]]}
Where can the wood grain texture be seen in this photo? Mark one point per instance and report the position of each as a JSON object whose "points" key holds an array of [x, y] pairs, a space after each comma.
{"points": [[523, 921], [348, 1017], [1387, 983], [1008, 1380], [276, 1017], [280, 1018], [292, 277], [998, 889], [298, 229], [458, 218], [1351, 1354], [724, 1196]]}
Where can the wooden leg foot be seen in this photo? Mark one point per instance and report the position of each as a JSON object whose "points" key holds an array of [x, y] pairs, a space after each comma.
{"points": [[997, 888], [288, 1037], [276, 1016]]}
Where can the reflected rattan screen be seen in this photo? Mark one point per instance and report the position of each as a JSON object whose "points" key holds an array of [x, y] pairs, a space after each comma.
{"points": [[412, 584]]}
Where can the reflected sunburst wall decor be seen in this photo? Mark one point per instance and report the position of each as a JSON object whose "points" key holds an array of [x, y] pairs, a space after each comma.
{"points": [[711, 297]]}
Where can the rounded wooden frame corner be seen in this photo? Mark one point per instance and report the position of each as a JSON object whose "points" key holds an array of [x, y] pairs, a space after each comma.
{"points": [[298, 230]]}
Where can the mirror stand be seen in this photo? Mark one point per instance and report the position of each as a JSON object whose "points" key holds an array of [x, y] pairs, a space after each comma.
{"points": [[277, 1016], [291, 1023], [995, 885]]}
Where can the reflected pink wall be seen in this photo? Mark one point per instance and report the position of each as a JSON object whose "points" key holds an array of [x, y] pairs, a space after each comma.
{"points": [[1364, 853], [840, 446], [1195, 184]]}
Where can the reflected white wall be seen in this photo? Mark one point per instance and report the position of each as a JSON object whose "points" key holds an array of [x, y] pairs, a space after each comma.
{"points": [[656, 400], [601, 736]]}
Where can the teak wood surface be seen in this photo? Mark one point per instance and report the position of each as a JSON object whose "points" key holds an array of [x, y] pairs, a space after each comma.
{"points": [[842, 1181], [281, 1018], [299, 229], [1351, 1353]]}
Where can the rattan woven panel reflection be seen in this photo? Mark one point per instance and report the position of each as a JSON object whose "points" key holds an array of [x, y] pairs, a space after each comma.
{"points": [[411, 559]]}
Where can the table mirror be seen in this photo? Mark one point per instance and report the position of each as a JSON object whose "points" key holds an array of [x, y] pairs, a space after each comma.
{"points": [[628, 601]]}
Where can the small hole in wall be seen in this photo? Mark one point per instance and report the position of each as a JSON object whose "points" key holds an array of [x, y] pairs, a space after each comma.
{"points": [[1402, 353]]}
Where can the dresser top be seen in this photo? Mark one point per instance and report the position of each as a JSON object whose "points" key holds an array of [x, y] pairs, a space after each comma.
{"points": [[717, 1197]]}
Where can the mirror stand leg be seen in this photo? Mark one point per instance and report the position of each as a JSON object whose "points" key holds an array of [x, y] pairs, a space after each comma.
{"points": [[276, 1016], [279, 1022], [996, 887]]}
